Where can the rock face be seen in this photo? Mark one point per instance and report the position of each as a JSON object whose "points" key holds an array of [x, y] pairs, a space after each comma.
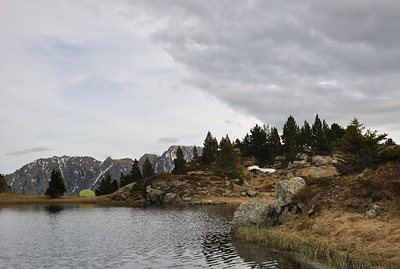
{"points": [[3, 185], [286, 189], [259, 212], [85, 172]]}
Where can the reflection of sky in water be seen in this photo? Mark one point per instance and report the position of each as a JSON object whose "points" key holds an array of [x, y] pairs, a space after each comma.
{"points": [[125, 237]]}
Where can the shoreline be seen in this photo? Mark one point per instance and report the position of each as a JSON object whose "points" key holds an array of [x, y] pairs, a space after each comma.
{"points": [[10, 198], [333, 238]]}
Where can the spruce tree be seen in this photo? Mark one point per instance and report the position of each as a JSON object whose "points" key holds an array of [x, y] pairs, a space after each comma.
{"points": [[179, 163], [195, 153], [148, 169], [306, 135], [105, 186], [228, 162], [135, 172], [274, 141], [56, 187], [289, 137], [319, 142], [210, 149], [258, 143]]}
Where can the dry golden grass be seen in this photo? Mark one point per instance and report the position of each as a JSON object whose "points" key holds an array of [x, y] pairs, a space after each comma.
{"points": [[10, 198]]}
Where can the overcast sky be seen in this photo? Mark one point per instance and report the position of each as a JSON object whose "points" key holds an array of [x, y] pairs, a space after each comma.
{"points": [[122, 78]]}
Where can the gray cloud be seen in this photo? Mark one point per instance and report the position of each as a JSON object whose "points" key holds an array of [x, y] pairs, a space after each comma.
{"points": [[27, 151], [271, 58]]}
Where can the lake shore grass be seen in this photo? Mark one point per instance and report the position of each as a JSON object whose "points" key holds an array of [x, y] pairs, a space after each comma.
{"points": [[10, 198], [334, 238]]}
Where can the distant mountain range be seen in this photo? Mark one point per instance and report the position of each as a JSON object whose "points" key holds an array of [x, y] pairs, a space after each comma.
{"points": [[86, 172]]}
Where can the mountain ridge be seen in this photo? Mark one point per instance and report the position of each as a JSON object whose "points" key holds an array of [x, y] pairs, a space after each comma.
{"points": [[85, 172]]}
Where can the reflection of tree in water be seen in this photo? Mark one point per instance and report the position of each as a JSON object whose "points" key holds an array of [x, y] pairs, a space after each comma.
{"points": [[54, 209], [218, 249]]}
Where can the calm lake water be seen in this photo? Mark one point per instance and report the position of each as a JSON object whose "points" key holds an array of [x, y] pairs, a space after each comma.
{"points": [[128, 237]]}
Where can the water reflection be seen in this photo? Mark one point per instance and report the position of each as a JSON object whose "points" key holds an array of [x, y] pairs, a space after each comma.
{"points": [[54, 209], [123, 237]]}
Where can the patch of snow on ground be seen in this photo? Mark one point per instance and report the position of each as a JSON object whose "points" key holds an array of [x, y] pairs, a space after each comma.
{"points": [[264, 170]]}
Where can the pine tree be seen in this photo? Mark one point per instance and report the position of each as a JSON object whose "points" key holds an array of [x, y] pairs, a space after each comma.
{"points": [[258, 143], [358, 150], [319, 142], [179, 163], [56, 187], [228, 162], [148, 169], [105, 186], [135, 172], [210, 149], [195, 153], [274, 141], [289, 137], [306, 135]]}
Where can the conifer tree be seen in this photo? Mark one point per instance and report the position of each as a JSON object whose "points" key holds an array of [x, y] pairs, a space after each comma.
{"points": [[306, 135], [148, 169], [210, 149], [195, 153], [289, 137], [179, 163], [258, 143], [56, 187], [358, 150], [106, 186], [228, 162], [135, 172], [319, 142], [274, 141]]}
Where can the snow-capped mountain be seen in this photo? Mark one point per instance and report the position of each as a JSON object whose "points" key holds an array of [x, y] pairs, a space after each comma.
{"points": [[85, 172]]}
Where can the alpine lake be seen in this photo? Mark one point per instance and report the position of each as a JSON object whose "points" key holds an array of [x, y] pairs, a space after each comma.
{"points": [[91, 236]]}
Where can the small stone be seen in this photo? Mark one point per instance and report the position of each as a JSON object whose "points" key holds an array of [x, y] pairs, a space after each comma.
{"points": [[372, 211]]}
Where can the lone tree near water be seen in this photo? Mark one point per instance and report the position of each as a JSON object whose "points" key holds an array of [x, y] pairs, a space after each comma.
{"points": [[56, 187]]}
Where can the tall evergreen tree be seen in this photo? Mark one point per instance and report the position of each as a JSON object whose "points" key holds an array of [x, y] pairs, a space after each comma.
{"points": [[56, 187], [289, 137], [258, 143], [228, 162], [306, 135], [224, 140], [195, 153], [357, 149], [135, 172], [319, 142], [179, 163], [274, 141], [210, 149], [148, 169], [107, 186]]}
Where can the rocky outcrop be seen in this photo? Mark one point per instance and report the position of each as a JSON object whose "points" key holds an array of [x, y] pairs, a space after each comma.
{"points": [[259, 212], [187, 189]]}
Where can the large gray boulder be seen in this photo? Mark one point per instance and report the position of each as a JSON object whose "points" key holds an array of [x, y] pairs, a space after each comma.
{"points": [[254, 211], [286, 189]]}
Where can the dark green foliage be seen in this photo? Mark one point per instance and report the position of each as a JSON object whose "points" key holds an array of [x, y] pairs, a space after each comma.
{"points": [[148, 169], [258, 143], [107, 186], [359, 149], [336, 132], [227, 162], [290, 139], [195, 153], [179, 163], [224, 140], [134, 175], [305, 136], [274, 141], [319, 142], [210, 149], [56, 187]]}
